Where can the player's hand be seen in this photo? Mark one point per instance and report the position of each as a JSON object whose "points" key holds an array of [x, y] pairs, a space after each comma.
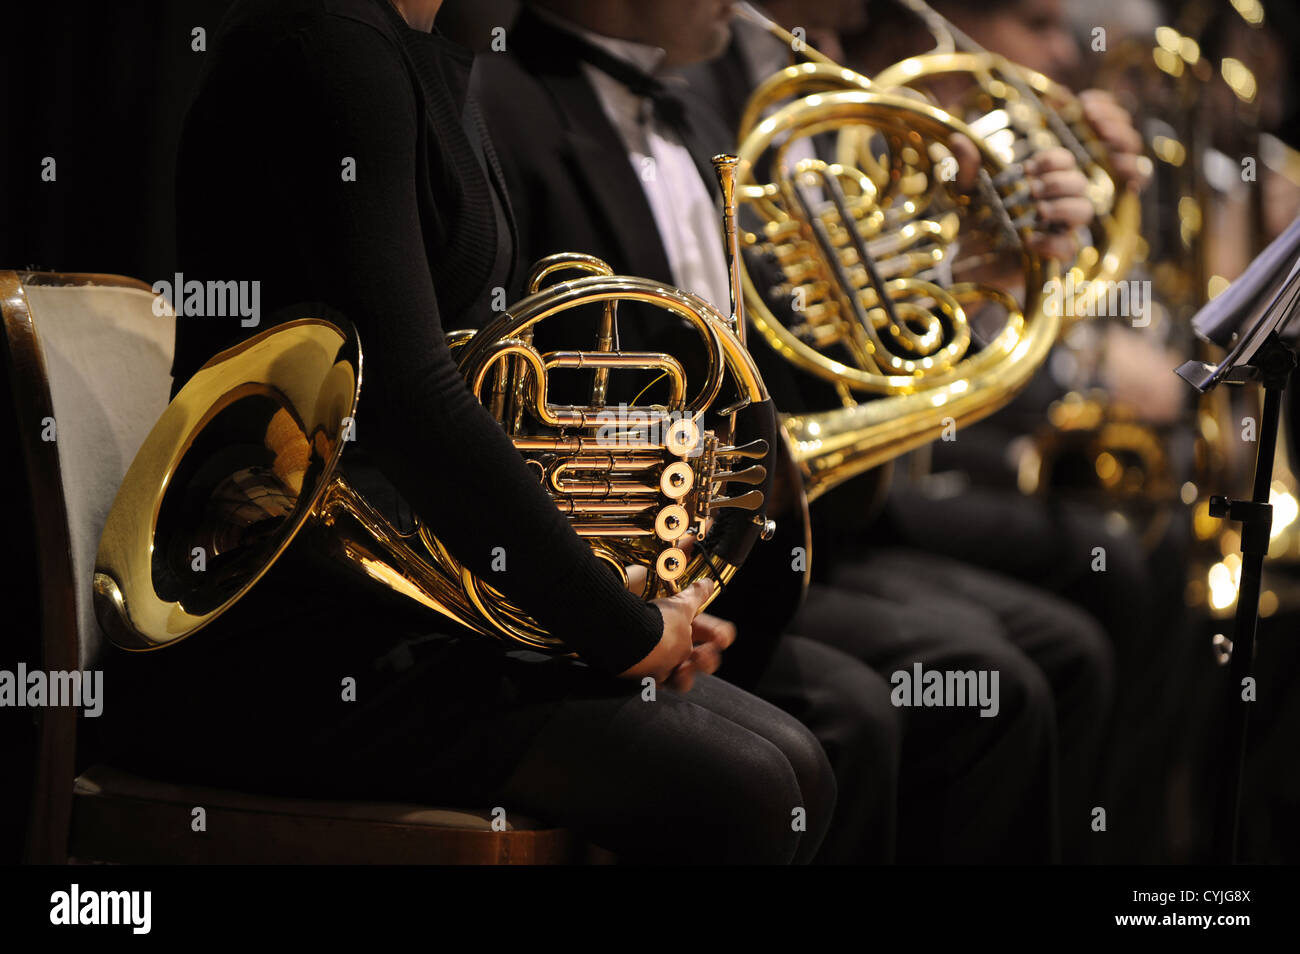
{"points": [[1114, 127], [710, 636], [676, 645]]}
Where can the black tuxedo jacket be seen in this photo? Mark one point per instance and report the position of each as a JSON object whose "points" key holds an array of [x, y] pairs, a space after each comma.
{"points": [[566, 167]]}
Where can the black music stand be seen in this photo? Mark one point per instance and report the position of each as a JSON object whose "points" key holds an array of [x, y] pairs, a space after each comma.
{"points": [[1248, 319]]}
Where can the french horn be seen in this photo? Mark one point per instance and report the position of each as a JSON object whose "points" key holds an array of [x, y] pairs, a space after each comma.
{"points": [[853, 271], [248, 465]]}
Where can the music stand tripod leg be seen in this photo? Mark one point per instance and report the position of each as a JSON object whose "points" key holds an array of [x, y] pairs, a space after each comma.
{"points": [[1273, 364]]}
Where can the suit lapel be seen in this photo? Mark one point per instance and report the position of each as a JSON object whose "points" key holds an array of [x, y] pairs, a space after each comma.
{"points": [[595, 153]]}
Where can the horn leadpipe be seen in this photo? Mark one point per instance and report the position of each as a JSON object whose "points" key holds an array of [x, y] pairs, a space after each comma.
{"points": [[725, 166], [747, 11]]}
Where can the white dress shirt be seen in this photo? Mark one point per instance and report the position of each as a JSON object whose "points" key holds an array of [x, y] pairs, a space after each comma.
{"points": [[688, 220]]}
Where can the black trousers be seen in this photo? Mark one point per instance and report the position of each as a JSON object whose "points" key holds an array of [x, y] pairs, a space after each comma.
{"points": [[845, 704], [308, 706], [598, 782], [1138, 598], [973, 788], [640, 782], [666, 781], [1050, 543]]}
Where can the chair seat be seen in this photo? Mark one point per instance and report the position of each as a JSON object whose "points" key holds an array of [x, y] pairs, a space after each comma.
{"points": [[131, 819]]}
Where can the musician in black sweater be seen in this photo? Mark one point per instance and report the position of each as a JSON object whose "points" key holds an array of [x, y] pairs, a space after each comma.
{"points": [[332, 155]]}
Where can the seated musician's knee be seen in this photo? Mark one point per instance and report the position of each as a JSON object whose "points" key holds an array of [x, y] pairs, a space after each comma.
{"points": [[1007, 693], [773, 797], [1084, 661], [812, 771]]}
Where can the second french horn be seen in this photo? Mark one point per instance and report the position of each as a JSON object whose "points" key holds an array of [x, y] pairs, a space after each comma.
{"points": [[866, 272]]}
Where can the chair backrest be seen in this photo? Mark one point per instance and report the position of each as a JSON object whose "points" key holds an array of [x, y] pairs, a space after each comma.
{"points": [[90, 365]]}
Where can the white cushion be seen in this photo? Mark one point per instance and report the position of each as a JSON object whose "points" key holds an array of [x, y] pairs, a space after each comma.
{"points": [[108, 357]]}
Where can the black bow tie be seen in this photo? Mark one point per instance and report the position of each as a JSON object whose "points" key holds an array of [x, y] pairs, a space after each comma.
{"points": [[668, 106]]}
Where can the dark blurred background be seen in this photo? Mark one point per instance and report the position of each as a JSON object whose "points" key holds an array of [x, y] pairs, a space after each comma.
{"points": [[103, 88]]}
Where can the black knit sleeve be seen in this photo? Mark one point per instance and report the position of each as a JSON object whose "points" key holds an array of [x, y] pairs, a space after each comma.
{"points": [[436, 443]]}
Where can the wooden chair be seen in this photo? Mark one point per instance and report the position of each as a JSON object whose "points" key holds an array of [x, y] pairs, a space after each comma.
{"points": [[89, 364]]}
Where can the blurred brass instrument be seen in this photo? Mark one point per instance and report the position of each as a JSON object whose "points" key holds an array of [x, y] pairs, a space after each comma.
{"points": [[248, 464], [1180, 77], [1091, 443], [1129, 462], [1098, 447], [850, 266], [1020, 112]]}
